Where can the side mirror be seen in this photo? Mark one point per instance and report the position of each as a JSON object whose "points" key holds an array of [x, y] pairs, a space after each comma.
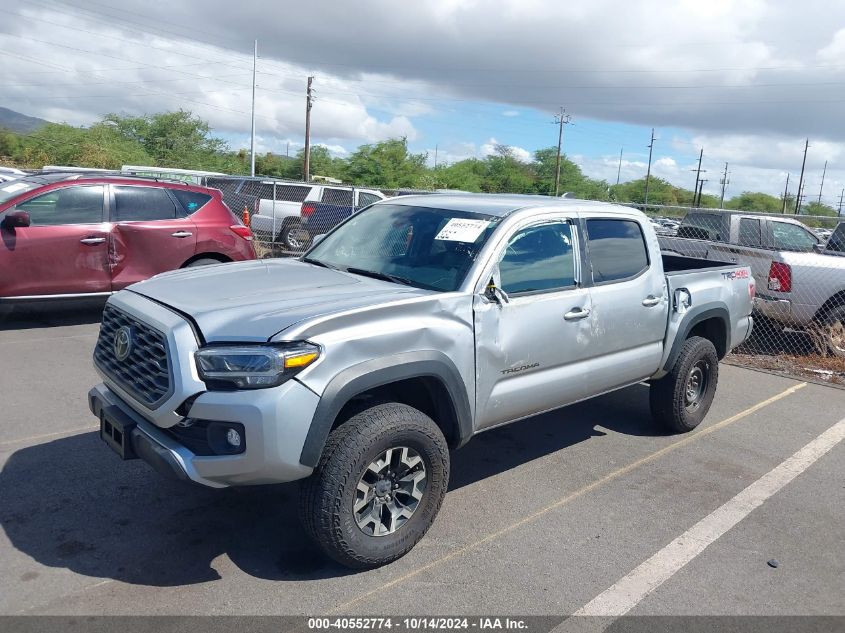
{"points": [[317, 239], [494, 290], [16, 219], [820, 247]]}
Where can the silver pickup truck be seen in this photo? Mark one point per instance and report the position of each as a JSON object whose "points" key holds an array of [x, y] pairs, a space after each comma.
{"points": [[800, 281], [412, 326]]}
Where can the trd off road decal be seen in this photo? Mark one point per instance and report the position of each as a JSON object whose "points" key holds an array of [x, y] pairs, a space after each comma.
{"points": [[736, 274]]}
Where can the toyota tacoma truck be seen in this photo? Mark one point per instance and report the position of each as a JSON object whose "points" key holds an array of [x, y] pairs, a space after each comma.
{"points": [[412, 326]]}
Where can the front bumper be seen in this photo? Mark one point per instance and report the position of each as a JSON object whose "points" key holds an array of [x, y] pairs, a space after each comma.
{"points": [[275, 421]]}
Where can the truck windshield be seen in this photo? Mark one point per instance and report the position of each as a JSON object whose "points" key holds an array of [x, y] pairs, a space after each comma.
{"points": [[418, 246]]}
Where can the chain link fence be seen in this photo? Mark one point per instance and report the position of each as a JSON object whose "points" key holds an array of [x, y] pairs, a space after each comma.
{"points": [[286, 215], [798, 264]]}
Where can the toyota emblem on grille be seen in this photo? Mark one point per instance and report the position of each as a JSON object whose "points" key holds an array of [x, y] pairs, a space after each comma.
{"points": [[122, 343]]}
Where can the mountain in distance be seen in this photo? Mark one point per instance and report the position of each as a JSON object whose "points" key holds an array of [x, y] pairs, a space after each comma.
{"points": [[20, 123]]}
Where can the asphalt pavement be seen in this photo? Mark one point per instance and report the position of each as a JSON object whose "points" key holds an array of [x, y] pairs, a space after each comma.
{"points": [[590, 506]]}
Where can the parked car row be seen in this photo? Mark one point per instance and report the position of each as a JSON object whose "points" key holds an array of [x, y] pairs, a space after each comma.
{"points": [[800, 283], [279, 209], [70, 234]]}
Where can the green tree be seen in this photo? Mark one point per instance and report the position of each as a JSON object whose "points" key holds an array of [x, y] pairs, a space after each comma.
{"points": [[755, 201], [819, 208], [387, 164], [174, 139]]}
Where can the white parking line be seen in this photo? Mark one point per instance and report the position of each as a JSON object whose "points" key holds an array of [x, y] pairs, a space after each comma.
{"points": [[630, 590]]}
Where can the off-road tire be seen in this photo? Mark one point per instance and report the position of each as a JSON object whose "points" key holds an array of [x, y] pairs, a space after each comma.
{"points": [[669, 396], [328, 496]]}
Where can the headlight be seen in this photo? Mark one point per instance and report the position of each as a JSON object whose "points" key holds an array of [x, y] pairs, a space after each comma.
{"points": [[253, 366]]}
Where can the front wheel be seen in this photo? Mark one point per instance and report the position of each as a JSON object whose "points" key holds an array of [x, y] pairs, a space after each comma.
{"points": [[378, 486], [682, 398]]}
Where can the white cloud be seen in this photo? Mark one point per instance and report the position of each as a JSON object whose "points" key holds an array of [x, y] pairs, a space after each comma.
{"points": [[519, 153], [510, 113]]}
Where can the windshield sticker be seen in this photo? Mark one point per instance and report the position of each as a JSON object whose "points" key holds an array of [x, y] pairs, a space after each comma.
{"points": [[462, 230], [17, 186]]}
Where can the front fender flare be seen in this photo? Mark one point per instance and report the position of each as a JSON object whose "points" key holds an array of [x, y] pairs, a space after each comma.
{"points": [[377, 373]]}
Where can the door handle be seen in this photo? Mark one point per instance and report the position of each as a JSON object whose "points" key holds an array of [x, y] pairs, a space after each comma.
{"points": [[651, 301], [181, 234], [93, 240], [576, 313]]}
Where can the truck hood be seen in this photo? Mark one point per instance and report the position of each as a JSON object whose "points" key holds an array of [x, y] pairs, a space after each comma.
{"points": [[252, 301]]}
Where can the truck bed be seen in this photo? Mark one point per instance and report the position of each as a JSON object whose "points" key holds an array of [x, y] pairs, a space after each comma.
{"points": [[678, 264]]}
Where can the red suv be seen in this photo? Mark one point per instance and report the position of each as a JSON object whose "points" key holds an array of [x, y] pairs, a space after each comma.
{"points": [[81, 235]]}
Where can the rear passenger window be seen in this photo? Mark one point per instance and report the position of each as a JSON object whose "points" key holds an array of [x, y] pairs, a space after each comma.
{"points": [[292, 193], [191, 201], [341, 197], [539, 258], [366, 199], [749, 232], [617, 249], [142, 204]]}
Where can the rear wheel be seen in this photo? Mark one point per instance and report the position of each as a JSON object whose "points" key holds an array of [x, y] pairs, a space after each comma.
{"points": [[834, 331], [293, 237], [682, 398], [378, 486]]}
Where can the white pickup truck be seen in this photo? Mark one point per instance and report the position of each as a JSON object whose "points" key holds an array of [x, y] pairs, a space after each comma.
{"points": [[414, 325]]}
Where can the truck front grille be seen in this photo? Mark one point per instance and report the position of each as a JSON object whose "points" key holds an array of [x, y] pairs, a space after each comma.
{"points": [[142, 369]]}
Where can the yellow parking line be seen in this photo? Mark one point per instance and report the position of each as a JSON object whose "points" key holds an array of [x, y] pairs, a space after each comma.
{"points": [[572, 496]]}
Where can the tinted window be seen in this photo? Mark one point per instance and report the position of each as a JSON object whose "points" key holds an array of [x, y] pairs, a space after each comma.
{"points": [[837, 240], [539, 258], [337, 196], [749, 232], [292, 193], [703, 226], [138, 204], [791, 237], [366, 199], [191, 201], [71, 205], [617, 249]]}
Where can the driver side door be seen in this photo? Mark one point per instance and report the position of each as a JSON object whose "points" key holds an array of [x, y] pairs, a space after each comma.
{"points": [[529, 347]]}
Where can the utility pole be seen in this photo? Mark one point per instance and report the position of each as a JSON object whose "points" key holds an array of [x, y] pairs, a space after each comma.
{"points": [[724, 182], [697, 177], [785, 194], [287, 149], [841, 195], [648, 171], [561, 120], [306, 168], [252, 135], [619, 169], [821, 188], [435, 156], [801, 179], [700, 191]]}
